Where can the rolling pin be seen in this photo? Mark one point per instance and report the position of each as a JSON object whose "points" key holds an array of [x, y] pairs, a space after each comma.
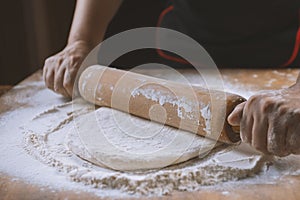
{"points": [[179, 105]]}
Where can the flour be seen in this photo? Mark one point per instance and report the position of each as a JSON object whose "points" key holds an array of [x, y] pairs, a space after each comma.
{"points": [[184, 107], [48, 161], [205, 112], [129, 143], [53, 147]]}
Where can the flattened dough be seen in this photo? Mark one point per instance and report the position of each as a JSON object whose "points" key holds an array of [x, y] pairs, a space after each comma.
{"points": [[120, 141]]}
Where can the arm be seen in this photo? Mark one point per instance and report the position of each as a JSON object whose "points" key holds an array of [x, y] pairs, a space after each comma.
{"points": [[90, 21], [270, 121]]}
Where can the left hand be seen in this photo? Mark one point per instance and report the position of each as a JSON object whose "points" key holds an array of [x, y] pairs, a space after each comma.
{"points": [[61, 69], [270, 121]]}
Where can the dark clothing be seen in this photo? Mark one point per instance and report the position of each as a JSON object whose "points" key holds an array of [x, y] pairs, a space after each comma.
{"points": [[257, 33]]}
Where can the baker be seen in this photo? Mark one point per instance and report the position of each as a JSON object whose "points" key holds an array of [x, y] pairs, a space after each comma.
{"points": [[235, 33]]}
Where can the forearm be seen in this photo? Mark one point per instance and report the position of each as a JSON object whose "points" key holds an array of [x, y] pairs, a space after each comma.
{"points": [[91, 19]]}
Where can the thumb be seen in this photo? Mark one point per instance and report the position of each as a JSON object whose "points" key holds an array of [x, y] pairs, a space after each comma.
{"points": [[235, 117]]}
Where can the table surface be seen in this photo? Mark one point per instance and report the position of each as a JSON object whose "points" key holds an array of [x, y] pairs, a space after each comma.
{"points": [[4, 89], [286, 187]]}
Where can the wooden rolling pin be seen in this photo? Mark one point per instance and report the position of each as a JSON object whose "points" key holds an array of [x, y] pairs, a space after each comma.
{"points": [[175, 104]]}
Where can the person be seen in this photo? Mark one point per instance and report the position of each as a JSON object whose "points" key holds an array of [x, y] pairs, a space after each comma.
{"points": [[236, 33]]}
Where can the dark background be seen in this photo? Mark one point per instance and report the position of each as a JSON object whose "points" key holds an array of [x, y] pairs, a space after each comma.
{"points": [[32, 30]]}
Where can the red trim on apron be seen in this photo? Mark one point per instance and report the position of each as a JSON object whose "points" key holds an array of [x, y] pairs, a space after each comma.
{"points": [[159, 51], [296, 48], [180, 60]]}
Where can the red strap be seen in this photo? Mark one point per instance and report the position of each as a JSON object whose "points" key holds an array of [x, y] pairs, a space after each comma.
{"points": [[159, 51], [296, 50]]}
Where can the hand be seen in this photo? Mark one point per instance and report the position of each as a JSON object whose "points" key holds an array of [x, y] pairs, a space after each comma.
{"points": [[60, 70], [270, 121]]}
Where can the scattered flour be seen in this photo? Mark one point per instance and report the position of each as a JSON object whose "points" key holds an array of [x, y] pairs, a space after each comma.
{"points": [[49, 143], [50, 162]]}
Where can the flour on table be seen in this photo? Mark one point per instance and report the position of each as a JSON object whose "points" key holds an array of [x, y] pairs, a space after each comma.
{"points": [[59, 145]]}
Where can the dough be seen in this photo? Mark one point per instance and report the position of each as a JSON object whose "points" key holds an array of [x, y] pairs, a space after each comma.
{"points": [[46, 139], [120, 141]]}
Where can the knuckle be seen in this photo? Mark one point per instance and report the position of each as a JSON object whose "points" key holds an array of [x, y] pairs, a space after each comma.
{"points": [[58, 61], [48, 60], [74, 60], [71, 58], [253, 99], [67, 84], [267, 105], [283, 110]]}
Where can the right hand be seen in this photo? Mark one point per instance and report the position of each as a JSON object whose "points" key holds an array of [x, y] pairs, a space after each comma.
{"points": [[60, 70]]}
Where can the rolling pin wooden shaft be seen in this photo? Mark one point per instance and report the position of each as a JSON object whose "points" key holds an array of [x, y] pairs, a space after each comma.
{"points": [[175, 104]]}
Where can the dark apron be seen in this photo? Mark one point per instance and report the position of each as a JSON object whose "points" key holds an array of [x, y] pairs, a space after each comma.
{"points": [[257, 33]]}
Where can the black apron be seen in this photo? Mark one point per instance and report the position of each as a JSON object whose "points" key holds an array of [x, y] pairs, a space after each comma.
{"points": [[257, 33]]}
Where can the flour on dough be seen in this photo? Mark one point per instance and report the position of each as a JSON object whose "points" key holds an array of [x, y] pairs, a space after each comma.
{"points": [[46, 139], [124, 142]]}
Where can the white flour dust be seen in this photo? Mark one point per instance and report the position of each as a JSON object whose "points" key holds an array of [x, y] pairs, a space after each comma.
{"points": [[49, 163], [49, 143], [128, 143], [184, 107]]}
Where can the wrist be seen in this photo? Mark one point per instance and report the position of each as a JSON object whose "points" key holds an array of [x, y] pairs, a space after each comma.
{"points": [[88, 40], [82, 43]]}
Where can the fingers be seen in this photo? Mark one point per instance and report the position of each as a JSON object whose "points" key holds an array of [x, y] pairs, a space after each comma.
{"points": [[234, 119], [259, 134], [59, 75], [68, 82], [44, 73], [293, 141], [276, 138], [247, 120], [59, 80], [60, 70], [48, 74], [293, 133], [270, 122], [246, 129], [53, 74]]}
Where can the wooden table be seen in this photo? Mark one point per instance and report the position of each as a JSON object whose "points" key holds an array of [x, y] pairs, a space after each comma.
{"points": [[286, 187], [4, 89]]}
